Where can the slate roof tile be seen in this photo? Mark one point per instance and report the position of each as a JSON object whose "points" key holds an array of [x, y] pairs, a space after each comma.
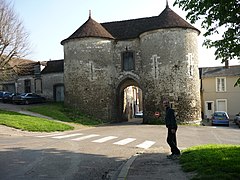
{"points": [[129, 29], [90, 28], [133, 28], [55, 66], [221, 71]]}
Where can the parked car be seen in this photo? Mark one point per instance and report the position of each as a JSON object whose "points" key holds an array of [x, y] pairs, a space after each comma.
{"points": [[138, 114], [7, 97], [28, 98], [2, 94], [237, 119], [220, 118]]}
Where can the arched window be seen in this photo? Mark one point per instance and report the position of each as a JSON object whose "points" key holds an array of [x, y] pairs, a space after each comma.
{"points": [[128, 62]]}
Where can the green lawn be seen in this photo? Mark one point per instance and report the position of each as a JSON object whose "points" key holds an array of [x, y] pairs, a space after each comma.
{"points": [[55, 110], [212, 161], [30, 123], [59, 112]]}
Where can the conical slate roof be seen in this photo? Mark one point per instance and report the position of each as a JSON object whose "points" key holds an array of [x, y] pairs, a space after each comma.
{"points": [[90, 28], [133, 28], [169, 19], [129, 29]]}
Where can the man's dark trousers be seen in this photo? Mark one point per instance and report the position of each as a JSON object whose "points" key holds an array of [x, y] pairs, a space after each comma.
{"points": [[171, 140]]}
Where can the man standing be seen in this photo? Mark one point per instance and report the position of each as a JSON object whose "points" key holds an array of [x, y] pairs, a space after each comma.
{"points": [[171, 124]]}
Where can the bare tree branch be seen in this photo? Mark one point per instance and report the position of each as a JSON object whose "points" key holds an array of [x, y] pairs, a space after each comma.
{"points": [[13, 38]]}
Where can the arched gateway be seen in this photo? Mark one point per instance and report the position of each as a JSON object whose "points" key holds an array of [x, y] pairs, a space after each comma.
{"points": [[156, 54]]}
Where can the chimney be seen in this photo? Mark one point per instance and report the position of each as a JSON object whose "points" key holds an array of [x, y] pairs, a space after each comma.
{"points": [[226, 64]]}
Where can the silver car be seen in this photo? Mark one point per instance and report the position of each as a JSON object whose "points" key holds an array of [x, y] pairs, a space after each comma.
{"points": [[237, 119]]}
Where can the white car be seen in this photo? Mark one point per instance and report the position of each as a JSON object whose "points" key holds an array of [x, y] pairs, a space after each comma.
{"points": [[139, 114], [237, 119]]}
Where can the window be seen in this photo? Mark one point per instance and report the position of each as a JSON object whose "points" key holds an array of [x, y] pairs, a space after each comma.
{"points": [[209, 106], [27, 84], [221, 84], [128, 61], [221, 104]]}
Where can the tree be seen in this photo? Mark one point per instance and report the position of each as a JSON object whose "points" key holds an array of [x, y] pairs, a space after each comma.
{"points": [[217, 16], [13, 39]]}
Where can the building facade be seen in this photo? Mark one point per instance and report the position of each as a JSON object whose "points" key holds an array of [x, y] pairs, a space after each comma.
{"points": [[52, 81], [156, 54], [23, 76], [218, 91]]}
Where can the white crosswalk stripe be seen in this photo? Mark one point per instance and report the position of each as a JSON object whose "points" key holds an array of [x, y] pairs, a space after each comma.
{"points": [[50, 135], [146, 144], [67, 136], [104, 139], [125, 141], [85, 137]]}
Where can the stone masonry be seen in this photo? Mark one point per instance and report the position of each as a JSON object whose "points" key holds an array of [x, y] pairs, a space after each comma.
{"points": [[165, 59]]}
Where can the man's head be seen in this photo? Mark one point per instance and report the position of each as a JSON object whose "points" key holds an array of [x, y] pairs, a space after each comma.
{"points": [[166, 103]]}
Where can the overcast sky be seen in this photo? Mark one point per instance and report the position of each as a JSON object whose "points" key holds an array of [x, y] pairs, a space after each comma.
{"points": [[48, 22]]}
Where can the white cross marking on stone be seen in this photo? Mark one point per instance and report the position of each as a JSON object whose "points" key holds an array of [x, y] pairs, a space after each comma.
{"points": [[190, 63], [155, 63]]}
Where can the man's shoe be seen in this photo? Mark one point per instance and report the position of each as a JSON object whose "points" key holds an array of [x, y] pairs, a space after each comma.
{"points": [[174, 156], [170, 156]]}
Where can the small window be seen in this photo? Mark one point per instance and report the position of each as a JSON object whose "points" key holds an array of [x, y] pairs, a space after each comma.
{"points": [[27, 84], [128, 63], [221, 84], [209, 106]]}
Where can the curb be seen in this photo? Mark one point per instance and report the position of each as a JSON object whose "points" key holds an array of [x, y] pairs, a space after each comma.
{"points": [[125, 168]]}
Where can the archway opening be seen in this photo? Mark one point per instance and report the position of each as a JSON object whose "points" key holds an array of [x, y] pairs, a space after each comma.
{"points": [[132, 103], [129, 100]]}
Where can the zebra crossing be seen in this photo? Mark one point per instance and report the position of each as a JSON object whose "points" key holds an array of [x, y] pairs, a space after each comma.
{"points": [[96, 138]]}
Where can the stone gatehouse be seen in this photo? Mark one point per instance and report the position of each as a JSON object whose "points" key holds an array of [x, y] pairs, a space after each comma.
{"points": [[156, 54]]}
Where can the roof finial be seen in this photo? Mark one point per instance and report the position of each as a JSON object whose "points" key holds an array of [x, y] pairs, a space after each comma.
{"points": [[90, 13], [167, 4]]}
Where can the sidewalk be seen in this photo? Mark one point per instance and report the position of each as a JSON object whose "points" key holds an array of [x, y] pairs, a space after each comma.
{"points": [[152, 165]]}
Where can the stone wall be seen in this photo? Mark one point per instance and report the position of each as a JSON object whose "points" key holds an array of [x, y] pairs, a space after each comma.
{"points": [[170, 63], [89, 73], [20, 85], [49, 81], [166, 67]]}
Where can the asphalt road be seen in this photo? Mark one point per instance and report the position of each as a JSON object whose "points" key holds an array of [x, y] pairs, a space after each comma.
{"points": [[93, 153]]}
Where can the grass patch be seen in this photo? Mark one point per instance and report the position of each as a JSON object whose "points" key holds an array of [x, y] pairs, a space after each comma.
{"points": [[30, 123], [59, 112], [212, 161], [53, 110], [157, 121]]}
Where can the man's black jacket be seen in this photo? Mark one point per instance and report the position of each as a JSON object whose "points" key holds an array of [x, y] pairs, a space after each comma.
{"points": [[170, 119]]}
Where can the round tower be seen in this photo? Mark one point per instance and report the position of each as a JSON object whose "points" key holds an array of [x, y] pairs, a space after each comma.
{"points": [[170, 67], [87, 71]]}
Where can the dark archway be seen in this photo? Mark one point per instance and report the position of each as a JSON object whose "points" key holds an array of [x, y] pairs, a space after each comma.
{"points": [[124, 109], [58, 92]]}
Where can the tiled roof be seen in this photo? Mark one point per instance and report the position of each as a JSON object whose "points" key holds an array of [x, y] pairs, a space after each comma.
{"points": [[133, 28], [55, 66], [129, 29], [23, 67], [27, 68], [221, 71], [90, 28]]}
